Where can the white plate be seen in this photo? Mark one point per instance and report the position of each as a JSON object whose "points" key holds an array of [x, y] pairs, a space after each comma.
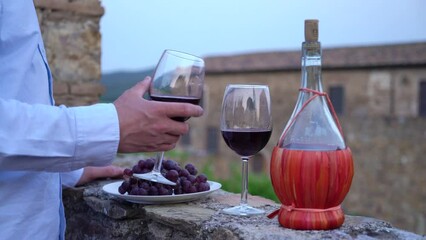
{"points": [[112, 188]]}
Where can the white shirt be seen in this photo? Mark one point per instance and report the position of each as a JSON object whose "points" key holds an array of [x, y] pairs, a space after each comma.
{"points": [[37, 139]]}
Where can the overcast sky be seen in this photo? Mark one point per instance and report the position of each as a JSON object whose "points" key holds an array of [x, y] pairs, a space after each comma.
{"points": [[135, 32]]}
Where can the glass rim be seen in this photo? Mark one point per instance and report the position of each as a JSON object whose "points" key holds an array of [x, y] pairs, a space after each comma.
{"points": [[184, 55]]}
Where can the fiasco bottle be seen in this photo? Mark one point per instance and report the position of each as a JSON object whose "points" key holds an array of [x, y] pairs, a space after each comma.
{"points": [[311, 166]]}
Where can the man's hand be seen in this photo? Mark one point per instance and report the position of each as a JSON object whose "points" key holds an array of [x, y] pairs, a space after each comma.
{"points": [[146, 126], [93, 173]]}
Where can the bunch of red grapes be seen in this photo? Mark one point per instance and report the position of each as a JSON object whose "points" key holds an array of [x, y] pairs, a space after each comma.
{"points": [[186, 179]]}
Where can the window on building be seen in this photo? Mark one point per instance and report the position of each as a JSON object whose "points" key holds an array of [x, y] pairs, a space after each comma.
{"points": [[422, 99], [337, 95], [212, 140]]}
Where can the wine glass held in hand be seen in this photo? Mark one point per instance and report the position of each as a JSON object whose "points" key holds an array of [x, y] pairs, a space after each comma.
{"points": [[178, 77], [246, 127]]}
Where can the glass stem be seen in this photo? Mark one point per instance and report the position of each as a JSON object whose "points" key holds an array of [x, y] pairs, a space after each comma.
{"points": [[244, 182], [158, 162]]}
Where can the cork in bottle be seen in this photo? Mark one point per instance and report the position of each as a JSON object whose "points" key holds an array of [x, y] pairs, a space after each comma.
{"points": [[311, 30]]}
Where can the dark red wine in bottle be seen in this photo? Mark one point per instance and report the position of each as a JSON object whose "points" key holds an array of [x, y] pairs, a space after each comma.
{"points": [[180, 99], [246, 142]]}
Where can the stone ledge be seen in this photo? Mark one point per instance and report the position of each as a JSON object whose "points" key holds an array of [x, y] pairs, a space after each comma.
{"points": [[92, 214]]}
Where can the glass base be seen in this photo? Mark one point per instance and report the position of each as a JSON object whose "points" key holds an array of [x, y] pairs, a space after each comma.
{"points": [[154, 177], [243, 210]]}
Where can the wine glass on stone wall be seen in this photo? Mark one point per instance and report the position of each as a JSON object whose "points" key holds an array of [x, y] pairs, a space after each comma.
{"points": [[178, 77], [246, 127]]}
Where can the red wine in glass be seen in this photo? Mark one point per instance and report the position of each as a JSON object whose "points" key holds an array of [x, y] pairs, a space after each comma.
{"points": [[246, 126], [246, 142], [180, 99]]}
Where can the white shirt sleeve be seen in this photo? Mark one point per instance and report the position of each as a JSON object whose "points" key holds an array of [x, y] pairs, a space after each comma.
{"points": [[70, 179], [48, 138]]}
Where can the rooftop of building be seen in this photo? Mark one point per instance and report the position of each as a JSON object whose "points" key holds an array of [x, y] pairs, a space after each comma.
{"points": [[392, 55]]}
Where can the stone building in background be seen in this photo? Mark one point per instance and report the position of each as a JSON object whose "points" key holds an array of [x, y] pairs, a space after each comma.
{"points": [[73, 46], [378, 91]]}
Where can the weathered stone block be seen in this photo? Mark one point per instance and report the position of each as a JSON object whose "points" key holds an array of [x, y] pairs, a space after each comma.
{"points": [[89, 88], [71, 35], [60, 88]]}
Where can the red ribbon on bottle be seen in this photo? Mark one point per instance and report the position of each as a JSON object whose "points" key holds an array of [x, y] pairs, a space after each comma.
{"points": [[294, 208]]}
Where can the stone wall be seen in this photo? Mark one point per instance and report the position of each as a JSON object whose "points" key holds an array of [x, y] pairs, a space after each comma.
{"points": [[72, 40], [389, 170], [92, 214]]}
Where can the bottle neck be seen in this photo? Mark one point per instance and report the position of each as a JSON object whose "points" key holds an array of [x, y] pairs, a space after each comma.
{"points": [[311, 66]]}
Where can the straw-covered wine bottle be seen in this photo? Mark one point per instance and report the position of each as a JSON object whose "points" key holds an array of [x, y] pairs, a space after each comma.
{"points": [[311, 166]]}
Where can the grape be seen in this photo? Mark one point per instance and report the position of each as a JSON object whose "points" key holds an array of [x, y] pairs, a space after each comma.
{"points": [[203, 187], [136, 169], [178, 190], [141, 164], [168, 164], [144, 185], [149, 163], [153, 190], [201, 178], [145, 170], [175, 165], [191, 178], [125, 184], [185, 189], [192, 189], [191, 169], [121, 190], [133, 186], [172, 175], [134, 191], [128, 172], [142, 191], [133, 180], [163, 191], [186, 184], [184, 173]]}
